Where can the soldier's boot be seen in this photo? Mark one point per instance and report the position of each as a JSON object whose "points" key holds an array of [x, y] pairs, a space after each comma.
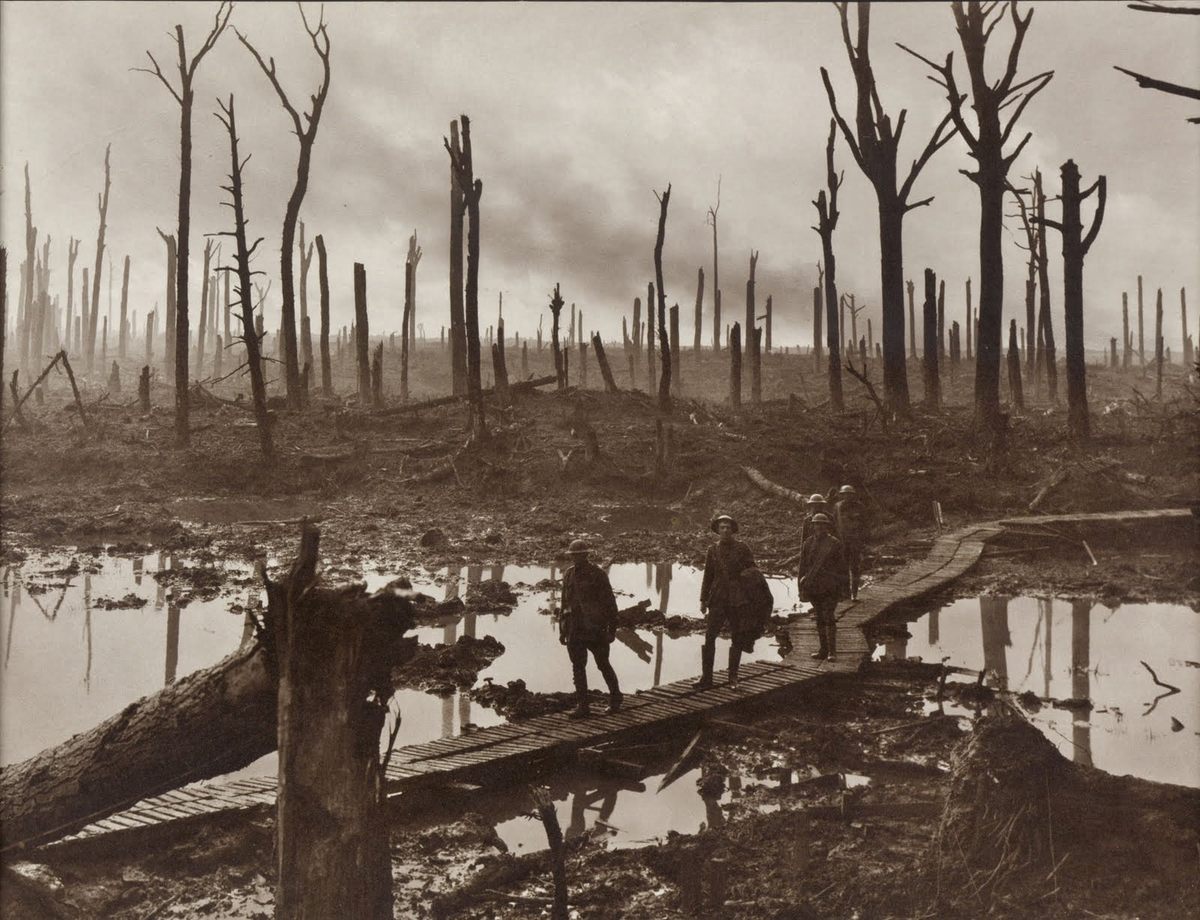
{"points": [[615, 699], [832, 642], [823, 648], [708, 654], [582, 709], [735, 657]]}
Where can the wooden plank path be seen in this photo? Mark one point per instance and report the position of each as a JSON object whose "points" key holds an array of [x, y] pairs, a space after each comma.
{"points": [[527, 746]]}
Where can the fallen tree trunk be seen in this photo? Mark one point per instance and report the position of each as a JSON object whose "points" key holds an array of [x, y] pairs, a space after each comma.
{"points": [[211, 722], [520, 386], [772, 487]]}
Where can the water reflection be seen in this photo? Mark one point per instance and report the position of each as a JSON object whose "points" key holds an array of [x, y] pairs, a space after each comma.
{"points": [[1013, 640], [81, 659]]}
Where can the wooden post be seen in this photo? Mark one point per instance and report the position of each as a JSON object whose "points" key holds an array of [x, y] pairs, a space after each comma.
{"points": [[1014, 368], [610, 385], [361, 329], [735, 367], [933, 389]]}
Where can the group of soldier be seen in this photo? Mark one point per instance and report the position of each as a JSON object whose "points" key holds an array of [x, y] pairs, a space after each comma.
{"points": [[833, 535]]}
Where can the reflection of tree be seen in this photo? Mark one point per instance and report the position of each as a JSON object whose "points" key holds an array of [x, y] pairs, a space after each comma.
{"points": [[1046, 609], [933, 628], [658, 657], [137, 571], [1037, 631], [14, 601], [662, 583], [172, 642], [87, 631], [453, 576], [1081, 664], [449, 637], [993, 618], [497, 573]]}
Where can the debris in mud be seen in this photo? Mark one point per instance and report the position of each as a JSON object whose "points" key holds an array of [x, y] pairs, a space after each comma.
{"points": [[128, 602], [515, 701], [433, 537], [426, 609], [490, 597], [443, 669]]}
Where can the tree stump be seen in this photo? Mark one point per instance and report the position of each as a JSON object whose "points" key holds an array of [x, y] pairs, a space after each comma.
{"points": [[144, 390], [610, 385]]}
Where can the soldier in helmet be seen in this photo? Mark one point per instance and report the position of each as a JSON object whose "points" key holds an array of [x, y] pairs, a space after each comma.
{"points": [[723, 597], [822, 579], [588, 624], [814, 504], [849, 518]]}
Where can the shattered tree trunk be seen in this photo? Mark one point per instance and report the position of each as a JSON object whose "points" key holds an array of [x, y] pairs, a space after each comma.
{"points": [[971, 321], [1127, 343], [1014, 368], [1045, 323], [651, 375], [756, 338], [362, 349], [817, 328], [306, 350], [102, 204], [1187, 339], [1158, 345], [912, 322], [700, 309], [664, 335], [377, 377], [1141, 329], [735, 367], [123, 341], [933, 388], [560, 370], [676, 376], [404, 323], [458, 333], [331, 834], [610, 385], [323, 282]]}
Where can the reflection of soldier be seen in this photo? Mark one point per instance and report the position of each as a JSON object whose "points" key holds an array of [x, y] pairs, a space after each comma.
{"points": [[849, 519], [822, 578], [723, 598], [589, 624]]}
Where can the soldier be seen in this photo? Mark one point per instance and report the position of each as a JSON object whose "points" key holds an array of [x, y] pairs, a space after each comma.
{"points": [[822, 577], [814, 504], [850, 519], [588, 624], [723, 597]]}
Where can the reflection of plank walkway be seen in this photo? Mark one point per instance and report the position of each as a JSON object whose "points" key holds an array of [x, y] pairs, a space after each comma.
{"points": [[524, 747]]}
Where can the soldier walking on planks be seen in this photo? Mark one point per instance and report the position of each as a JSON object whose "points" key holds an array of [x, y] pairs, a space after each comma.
{"points": [[588, 624], [849, 518], [723, 598], [821, 580]]}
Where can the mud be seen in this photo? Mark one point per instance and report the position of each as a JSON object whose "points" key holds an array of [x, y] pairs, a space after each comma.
{"points": [[443, 669]]}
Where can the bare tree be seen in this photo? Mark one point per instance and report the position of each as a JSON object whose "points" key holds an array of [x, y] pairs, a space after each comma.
{"points": [[30, 259], [711, 219], [185, 97], [975, 22], [305, 128], [458, 334], [1046, 347], [323, 281], [1075, 247], [243, 252], [664, 344], [699, 308], [827, 218], [102, 206], [306, 254], [875, 145], [1164, 86], [170, 338], [472, 188], [556, 306]]}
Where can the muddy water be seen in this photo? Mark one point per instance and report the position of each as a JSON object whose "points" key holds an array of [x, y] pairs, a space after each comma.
{"points": [[67, 663], [1082, 650]]}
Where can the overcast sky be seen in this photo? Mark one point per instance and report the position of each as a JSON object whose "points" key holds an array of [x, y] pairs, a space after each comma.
{"points": [[579, 112]]}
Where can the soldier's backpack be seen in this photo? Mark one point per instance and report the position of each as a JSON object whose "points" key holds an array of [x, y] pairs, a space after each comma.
{"points": [[760, 603]]}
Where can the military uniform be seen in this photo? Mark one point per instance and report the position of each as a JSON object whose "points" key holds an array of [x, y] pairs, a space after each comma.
{"points": [[821, 580], [589, 624], [850, 520], [728, 604]]}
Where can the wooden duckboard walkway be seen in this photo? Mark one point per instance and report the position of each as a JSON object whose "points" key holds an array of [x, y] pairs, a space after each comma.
{"points": [[524, 747]]}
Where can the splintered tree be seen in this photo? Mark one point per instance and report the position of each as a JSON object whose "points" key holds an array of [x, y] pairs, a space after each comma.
{"points": [[184, 96], [243, 252], [699, 308], [472, 188], [1046, 347], [458, 334], [410, 276], [30, 258], [1075, 248], [102, 207], [323, 281], [664, 344], [123, 340], [305, 128], [933, 384], [875, 145], [556, 306], [827, 218], [975, 22], [306, 351], [711, 218]]}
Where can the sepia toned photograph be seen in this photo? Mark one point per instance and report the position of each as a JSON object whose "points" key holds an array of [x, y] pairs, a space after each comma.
{"points": [[569, 461]]}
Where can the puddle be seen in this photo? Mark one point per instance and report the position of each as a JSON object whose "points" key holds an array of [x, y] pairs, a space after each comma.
{"points": [[68, 662], [1080, 650], [653, 518]]}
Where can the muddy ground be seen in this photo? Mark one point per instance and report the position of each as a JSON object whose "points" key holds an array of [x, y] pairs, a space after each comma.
{"points": [[398, 490], [798, 833]]}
